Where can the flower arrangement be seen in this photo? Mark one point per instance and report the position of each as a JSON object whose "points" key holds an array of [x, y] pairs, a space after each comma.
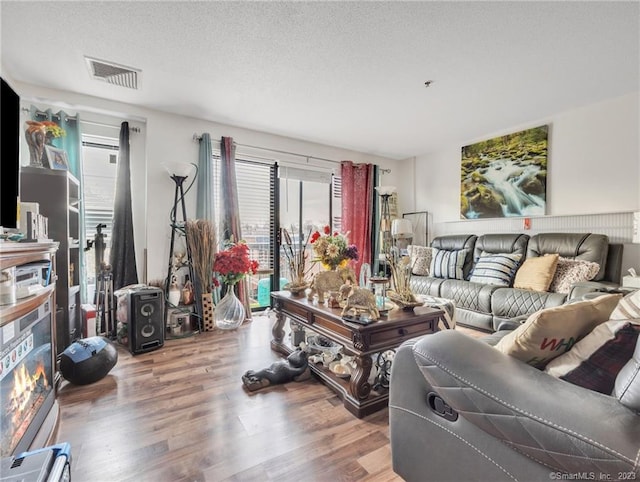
{"points": [[400, 267], [332, 250], [233, 264], [50, 128], [297, 261]]}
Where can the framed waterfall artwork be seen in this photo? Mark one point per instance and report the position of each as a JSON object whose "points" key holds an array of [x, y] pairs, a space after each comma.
{"points": [[505, 176]]}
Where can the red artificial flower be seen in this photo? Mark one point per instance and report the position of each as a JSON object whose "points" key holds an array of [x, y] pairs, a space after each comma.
{"points": [[233, 263], [327, 230], [314, 237]]}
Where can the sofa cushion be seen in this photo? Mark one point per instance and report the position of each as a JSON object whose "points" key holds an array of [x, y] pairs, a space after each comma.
{"points": [[627, 384], [420, 259], [536, 273], [454, 242], [571, 271], [628, 307], [586, 246], [512, 243], [448, 264], [495, 269], [595, 361], [550, 332]]}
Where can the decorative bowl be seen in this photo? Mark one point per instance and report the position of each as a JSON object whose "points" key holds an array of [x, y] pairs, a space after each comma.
{"points": [[340, 369], [296, 290], [321, 344]]}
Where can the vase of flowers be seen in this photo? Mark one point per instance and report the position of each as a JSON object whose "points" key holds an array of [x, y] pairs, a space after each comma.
{"points": [[37, 134], [230, 267], [332, 250]]}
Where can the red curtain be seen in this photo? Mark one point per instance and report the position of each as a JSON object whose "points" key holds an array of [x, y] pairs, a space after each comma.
{"points": [[357, 208]]}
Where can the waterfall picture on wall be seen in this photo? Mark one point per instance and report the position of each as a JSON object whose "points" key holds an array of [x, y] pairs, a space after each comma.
{"points": [[505, 176]]}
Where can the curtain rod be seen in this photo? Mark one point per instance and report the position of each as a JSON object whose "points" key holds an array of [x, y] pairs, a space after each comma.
{"points": [[99, 124], [196, 137], [82, 121]]}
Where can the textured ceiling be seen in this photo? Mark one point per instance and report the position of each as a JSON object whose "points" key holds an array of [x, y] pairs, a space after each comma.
{"points": [[349, 74]]}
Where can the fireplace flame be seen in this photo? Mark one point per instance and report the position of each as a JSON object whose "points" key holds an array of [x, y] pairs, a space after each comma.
{"points": [[25, 384]]}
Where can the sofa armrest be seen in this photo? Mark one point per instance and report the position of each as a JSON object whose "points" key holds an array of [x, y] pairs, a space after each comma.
{"points": [[558, 424], [513, 323], [578, 290]]}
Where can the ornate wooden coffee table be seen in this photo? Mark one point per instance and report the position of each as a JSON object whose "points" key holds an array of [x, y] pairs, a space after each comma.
{"points": [[360, 341]]}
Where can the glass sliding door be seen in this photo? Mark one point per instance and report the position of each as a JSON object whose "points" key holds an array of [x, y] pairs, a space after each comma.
{"points": [[257, 206], [306, 205]]}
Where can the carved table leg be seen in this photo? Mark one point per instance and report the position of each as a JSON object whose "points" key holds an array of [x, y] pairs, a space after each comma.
{"points": [[278, 330], [359, 386]]}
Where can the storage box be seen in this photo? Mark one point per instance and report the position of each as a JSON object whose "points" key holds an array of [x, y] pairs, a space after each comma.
{"points": [[631, 282]]}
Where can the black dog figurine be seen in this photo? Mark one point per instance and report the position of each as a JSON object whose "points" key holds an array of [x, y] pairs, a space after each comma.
{"points": [[294, 368]]}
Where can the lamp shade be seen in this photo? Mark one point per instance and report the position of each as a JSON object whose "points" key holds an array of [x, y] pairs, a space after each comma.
{"points": [[179, 169], [401, 228], [386, 190]]}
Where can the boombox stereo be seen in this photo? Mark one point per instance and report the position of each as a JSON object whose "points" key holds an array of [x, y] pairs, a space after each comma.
{"points": [[142, 309]]}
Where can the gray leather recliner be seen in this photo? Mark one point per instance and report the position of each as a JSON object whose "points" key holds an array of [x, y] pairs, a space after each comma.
{"points": [[485, 307], [459, 410]]}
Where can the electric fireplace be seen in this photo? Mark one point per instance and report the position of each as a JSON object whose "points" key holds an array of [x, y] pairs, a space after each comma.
{"points": [[27, 391]]}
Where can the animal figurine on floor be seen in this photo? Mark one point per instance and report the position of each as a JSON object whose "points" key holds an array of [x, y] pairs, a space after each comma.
{"points": [[359, 300], [294, 368], [326, 281]]}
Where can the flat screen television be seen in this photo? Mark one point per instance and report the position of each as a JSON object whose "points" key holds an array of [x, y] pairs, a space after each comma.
{"points": [[9, 155]]}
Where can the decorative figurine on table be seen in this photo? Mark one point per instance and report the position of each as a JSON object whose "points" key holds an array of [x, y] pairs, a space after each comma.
{"points": [[359, 300], [294, 368], [327, 281]]}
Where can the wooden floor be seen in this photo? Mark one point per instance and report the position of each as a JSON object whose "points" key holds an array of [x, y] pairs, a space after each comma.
{"points": [[181, 414]]}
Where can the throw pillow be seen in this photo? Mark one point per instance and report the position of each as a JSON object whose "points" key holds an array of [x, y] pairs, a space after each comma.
{"points": [[447, 264], [595, 361], [420, 260], [551, 332], [536, 273], [627, 385], [571, 271], [495, 269], [629, 307]]}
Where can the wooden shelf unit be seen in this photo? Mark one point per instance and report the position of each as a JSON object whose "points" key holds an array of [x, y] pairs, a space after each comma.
{"points": [[58, 194]]}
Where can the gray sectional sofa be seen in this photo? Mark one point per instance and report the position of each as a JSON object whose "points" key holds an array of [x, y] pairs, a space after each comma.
{"points": [[485, 307]]}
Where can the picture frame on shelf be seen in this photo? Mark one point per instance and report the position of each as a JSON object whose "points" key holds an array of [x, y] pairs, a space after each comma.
{"points": [[56, 158]]}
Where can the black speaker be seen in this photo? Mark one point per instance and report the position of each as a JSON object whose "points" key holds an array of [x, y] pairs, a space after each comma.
{"points": [[146, 319]]}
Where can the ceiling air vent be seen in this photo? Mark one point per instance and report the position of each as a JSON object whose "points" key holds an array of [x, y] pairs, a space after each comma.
{"points": [[113, 73]]}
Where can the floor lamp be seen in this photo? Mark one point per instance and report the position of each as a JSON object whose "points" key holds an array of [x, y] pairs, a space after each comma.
{"points": [[178, 171], [385, 193]]}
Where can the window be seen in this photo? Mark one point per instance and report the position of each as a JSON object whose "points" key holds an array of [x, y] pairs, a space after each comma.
{"points": [[307, 204], [99, 157], [256, 202], [271, 197]]}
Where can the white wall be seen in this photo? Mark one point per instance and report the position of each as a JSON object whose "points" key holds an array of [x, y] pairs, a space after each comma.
{"points": [[168, 138], [593, 168], [594, 163]]}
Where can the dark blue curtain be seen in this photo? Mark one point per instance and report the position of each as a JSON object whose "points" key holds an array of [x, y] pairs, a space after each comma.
{"points": [[123, 255]]}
